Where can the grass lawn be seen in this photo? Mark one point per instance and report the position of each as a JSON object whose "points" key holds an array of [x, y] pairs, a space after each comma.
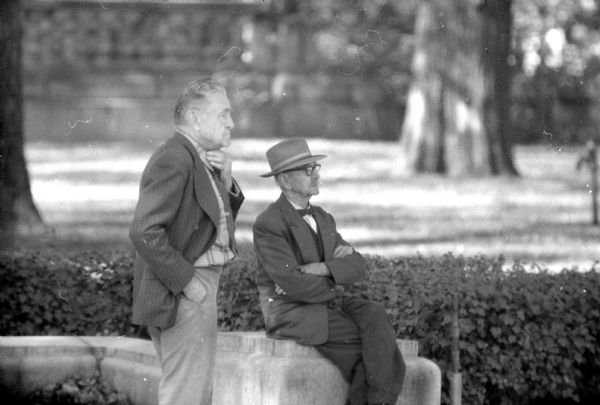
{"points": [[87, 193]]}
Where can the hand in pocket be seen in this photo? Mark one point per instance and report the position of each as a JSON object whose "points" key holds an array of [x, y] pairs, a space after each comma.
{"points": [[195, 290]]}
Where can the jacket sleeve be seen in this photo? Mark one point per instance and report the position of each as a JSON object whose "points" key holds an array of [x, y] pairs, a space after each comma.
{"points": [[348, 269], [275, 256], [236, 198], [161, 190]]}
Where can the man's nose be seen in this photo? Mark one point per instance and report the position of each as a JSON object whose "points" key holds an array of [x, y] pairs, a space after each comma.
{"points": [[230, 123]]}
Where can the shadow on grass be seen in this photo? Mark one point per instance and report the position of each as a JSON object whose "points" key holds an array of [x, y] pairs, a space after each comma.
{"points": [[87, 194]]}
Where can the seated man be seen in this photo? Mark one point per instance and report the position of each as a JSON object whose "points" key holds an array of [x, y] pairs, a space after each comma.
{"points": [[303, 263]]}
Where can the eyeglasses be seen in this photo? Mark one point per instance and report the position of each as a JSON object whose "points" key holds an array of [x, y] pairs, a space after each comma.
{"points": [[307, 169]]}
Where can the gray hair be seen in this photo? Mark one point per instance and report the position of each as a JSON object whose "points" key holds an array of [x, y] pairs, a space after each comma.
{"points": [[197, 90], [277, 177]]}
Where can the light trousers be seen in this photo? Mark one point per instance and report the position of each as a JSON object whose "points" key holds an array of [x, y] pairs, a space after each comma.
{"points": [[186, 351]]}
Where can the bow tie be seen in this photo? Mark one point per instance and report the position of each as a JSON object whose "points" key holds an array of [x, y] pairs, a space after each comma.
{"points": [[307, 211]]}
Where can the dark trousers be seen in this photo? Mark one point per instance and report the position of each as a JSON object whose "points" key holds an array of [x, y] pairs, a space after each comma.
{"points": [[362, 344]]}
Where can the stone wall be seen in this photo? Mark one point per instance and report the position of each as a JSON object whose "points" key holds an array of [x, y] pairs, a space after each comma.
{"points": [[250, 369]]}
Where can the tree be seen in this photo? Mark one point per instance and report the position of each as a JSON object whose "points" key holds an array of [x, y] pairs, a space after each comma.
{"points": [[558, 70], [457, 116], [18, 213]]}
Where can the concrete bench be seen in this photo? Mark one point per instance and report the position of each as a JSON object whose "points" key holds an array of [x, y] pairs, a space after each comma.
{"points": [[251, 369]]}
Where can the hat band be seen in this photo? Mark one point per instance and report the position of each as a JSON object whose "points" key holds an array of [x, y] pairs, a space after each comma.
{"points": [[291, 160]]}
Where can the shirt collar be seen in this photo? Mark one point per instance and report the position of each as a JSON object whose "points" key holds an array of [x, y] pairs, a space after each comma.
{"points": [[296, 206], [196, 144]]}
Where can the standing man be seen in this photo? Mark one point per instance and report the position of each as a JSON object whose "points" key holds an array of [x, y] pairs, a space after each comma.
{"points": [[303, 263], [183, 232]]}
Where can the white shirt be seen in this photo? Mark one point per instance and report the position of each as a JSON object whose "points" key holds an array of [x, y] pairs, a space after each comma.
{"points": [[220, 252], [309, 219]]}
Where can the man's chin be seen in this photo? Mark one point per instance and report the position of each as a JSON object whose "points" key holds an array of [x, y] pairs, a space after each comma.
{"points": [[226, 140]]}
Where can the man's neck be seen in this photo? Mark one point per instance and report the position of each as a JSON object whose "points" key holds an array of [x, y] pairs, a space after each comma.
{"points": [[189, 134], [300, 201]]}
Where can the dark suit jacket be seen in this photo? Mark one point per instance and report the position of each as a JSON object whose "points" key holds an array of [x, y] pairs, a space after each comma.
{"points": [[283, 242], [175, 222]]}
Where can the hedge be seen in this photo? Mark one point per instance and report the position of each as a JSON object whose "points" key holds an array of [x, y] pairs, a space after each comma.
{"points": [[74, 390], [526, 337]]}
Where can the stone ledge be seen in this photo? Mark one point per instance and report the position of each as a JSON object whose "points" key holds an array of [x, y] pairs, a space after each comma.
{"points": [[256, 342], [251, 369]]}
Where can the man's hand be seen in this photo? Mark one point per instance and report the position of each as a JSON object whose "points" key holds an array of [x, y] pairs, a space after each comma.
{"points": [[279, 290], [195, 290], [342, 250], [222, 161], [316, 269]]}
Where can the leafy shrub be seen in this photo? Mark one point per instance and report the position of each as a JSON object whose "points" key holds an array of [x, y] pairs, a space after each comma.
{"points": [[238, 304], [78, 391], [52, 293], [526, 337]]}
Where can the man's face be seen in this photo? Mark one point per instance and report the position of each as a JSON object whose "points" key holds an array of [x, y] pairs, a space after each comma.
{"points": [[212, 121], [301, 183]]}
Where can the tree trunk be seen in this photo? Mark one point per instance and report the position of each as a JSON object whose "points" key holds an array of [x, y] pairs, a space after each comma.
{"points": [[18, 214], [457, 115]]}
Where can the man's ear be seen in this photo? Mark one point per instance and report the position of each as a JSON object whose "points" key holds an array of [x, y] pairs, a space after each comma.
{"points": [[189, 115], [193, 116], [283, 182]]}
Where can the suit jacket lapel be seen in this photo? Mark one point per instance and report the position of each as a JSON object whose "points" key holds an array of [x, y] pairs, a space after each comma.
{"points": [[203, 189], [327, 233], [300, 230]]}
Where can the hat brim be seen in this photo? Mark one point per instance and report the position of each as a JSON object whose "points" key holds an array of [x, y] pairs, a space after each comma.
{"points": [[295, 164]]}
